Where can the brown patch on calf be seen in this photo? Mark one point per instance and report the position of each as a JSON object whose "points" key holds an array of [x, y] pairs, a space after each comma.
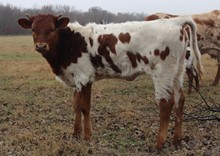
{"points": [[151, 18], [162, 54], [139, 57], [124, 38], [156, 52], [136, 57], [165, 53], [133, 59], [91, 41], [167, 17], [108, 41], [171, 16], [145, 59], [155, 17], [70, 47], [96, 61]]}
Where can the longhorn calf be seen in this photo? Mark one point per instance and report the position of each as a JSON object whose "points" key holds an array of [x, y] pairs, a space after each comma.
{"points": [[80, 55]]}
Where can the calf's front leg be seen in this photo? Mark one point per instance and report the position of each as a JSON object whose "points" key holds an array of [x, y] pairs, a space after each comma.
{"points": [[82, 105]]}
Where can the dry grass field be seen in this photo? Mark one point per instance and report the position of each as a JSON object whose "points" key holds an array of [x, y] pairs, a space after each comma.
{"points": [[36, 113]]}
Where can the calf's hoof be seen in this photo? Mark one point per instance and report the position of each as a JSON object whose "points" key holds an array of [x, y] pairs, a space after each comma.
{"points": [[177, 140], [159, 144], [76, 134], [87, 137]]}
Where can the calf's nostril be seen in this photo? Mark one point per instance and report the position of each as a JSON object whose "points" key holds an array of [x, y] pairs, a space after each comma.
{"points": [[40, 46]]}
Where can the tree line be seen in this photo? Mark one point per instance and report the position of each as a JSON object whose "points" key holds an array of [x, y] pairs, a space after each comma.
{"points": [[10, 14]]}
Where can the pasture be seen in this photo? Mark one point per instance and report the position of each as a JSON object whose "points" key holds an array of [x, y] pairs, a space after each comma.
{"points": [[36, 113]]}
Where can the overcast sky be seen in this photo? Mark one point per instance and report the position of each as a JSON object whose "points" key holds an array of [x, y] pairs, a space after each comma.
{"points": [[131, 6]]}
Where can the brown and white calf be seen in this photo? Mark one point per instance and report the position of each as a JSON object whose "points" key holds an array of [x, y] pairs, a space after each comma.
{"points": [[208, 34], [80, 55]]}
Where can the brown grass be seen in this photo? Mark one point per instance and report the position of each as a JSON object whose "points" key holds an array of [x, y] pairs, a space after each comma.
{"points": [[36, 114]]}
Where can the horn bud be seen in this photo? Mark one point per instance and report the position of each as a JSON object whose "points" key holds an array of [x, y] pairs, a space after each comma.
{"points": [[28, 16], [59, 16]]}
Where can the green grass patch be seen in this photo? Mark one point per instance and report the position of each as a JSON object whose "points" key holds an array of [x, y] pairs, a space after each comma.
{"points": [[19, 56]]}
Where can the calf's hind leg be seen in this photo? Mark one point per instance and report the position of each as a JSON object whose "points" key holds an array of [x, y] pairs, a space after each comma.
{"points": [[165, 111], [82, 105], [178, 109]]}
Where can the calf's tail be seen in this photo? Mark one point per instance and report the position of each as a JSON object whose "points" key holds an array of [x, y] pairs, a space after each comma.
{"points": [[190, 28]]}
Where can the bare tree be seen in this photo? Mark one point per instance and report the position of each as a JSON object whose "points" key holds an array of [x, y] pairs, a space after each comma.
{"points": [[9, 15]]}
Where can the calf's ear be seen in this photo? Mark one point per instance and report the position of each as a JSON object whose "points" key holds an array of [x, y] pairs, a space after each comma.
{"points": [[62, 22], [25, 23]]}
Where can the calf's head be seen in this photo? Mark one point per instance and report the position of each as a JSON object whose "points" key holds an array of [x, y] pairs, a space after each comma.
{"points": [[44, 30]]}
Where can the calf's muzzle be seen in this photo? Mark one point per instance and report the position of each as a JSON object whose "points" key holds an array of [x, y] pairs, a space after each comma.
{"points": [[41, 47]]}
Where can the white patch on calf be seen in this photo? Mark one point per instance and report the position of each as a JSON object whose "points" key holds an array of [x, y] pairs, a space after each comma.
{"points": [[78, 74]]}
